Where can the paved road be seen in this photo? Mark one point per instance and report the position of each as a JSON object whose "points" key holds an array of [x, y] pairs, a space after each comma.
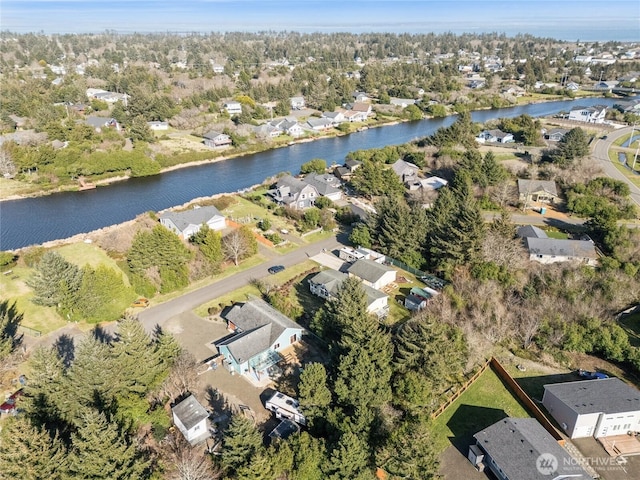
{"points": [[601, 153], [159, 314]]}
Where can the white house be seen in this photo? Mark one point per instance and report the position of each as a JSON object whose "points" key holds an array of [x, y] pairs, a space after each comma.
{"points": [[260, 334], [326, 184], [494, 136], [297, 102], [191, 419], [233, 108], [217, 139], [595, 114], [372, 273], [319, 124], [594, 408], [336, 117], [327, 283], [187, 223], [155, 125]]}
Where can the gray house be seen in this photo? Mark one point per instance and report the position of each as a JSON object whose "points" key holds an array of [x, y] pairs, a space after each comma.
{"points": [[541, 191], [594, 408], [216, 139], [372, 273], [294, 193], [521, 449], [552, 250], [187, 223], [191, 419], [406, 172], [326, 184]]}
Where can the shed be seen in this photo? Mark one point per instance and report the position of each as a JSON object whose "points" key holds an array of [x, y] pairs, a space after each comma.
{"points": [[191, 419]]}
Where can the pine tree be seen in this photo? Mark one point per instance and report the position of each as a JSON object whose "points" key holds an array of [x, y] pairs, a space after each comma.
{"points": [[29, 453], [102, 450], [350, 458], [210, 243], [9, 322], [314, 394], [309, 455], [55, 281], [349, 305], [242, 441]]}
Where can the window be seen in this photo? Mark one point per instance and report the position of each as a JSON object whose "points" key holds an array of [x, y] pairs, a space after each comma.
{"points": [[311, 194], [293, 339], [303, 196], [276, 346]]}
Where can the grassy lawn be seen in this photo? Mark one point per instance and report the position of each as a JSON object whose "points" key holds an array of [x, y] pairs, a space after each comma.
{"points": [[557, 235], [244, 209], [631, 324], [316, 237], [485, 402], [9, 187], [82, 254]]}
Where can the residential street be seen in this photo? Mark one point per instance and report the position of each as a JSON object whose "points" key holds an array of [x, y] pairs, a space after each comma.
{"points": [[601, 153]]}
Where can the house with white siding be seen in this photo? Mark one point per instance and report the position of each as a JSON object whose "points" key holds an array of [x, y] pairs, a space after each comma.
{"points": [[190, 417], [595, 114], [372, 273], [187, 223]]}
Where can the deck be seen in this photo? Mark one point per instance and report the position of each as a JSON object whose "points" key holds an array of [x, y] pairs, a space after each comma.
{"points": [[617, 445]]}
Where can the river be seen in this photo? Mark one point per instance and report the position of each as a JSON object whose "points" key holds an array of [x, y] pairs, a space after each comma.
{"points": [[37, 220]]}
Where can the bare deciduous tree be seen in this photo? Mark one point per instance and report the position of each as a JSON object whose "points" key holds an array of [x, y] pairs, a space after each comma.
{"points": [[235, 246], [183, 377], [7, 167], [185, 462]]}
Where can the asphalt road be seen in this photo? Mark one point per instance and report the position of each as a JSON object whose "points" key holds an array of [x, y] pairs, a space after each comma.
{"points": [[159, 314], [601, 153]]}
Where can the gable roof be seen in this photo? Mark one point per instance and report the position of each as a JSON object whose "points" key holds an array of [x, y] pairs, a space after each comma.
{"points": [[332, 279], [212, 135], [401, 168], [321, 184], [607, 395], [190, 412], [531, 186], [295, 184], [561, 248], [368, 270], [529, 231], [195, 216], [515, 444], [247, 345]]}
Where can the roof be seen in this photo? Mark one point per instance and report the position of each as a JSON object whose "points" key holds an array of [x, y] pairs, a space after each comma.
{"points": [[368, 270], [361, 107], [607, 395], [195, 216], [499, 133], [592, 109], [295, 184], [529, 231], [331, 279], [97, 122], [319, 122], [561, 248], [515, 444], [259, 326], [212, 135], [531, 186], [284, 429], [321, 183], [400, 167], [433, 183], [190, 412]]}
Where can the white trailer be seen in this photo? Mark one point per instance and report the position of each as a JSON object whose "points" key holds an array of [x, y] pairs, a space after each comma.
{"points": [[285, 406]]}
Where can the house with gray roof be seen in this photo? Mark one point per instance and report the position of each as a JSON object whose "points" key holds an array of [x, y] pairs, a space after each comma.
{"points": [[552, 250], [259, 334], [99, 123], [594, 408], [216, 139], [191, 419], [406, 172], [326, 284], [372, 273], [555, 134], [326, 184], [294, 193], [187, 223], [540, 191], [529, 231], [319, 124], [594, 114], [521, 449]]}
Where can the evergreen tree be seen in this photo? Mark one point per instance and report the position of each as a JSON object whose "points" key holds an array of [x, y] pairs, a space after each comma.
{"points": [[349, 306], [259, 468], [29, 453], [309, 455], [102, 450], [242, 441], [102, 295], [210, 243], [360, 236], [574, 145], [9, 322], [350, 459], [314, 394], [55, 281]]}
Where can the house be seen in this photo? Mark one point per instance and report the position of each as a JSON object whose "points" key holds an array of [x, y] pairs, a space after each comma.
{"points": [[260, 333], [418, 298], [521, 449], [551, 250], [216, 139], [353, 116], [105, 96], [494, 136], [361, 97], [572, 86], [402, 102], [98, 123], [541, 191], [475, 84], [297, 102], [268, 130], [529, 231], [217, 68], [233, 108], [405, 171], [595, 114], [326, 184], [594, 408], [631, 106], [290, 127], [319, 124], [555, 134], [191, 419], [155, 125], [350, 255], [346, 171], [285, 407], [433, 183], [187, 223], [294, 193], [606, 85], [372, 273], [336, 117], [327, 283]]}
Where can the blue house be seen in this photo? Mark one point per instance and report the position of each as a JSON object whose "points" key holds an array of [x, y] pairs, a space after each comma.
{"points": [[260, 333]]}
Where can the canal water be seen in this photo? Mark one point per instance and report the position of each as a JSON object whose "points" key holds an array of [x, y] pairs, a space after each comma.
{"points": [[37, 220]]}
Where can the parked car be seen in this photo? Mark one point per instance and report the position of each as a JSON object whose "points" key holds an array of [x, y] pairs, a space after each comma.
{"points": [[140, 303], [275, 269], [592, 375]]}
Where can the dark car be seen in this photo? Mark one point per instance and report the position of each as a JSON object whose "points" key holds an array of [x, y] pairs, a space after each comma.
{"points": [[275, 269]]}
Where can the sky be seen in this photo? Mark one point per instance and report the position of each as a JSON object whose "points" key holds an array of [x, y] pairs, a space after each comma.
{"points": [[595, 20]]}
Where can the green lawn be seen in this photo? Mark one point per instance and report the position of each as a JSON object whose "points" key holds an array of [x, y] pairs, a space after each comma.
{"points": [[485, 402], [557, 235], [631, 324]]}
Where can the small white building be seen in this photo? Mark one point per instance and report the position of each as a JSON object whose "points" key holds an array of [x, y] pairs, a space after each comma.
{"points": [[594, 408], [297, 102], [372, 273], [595, 114], [155, 125], [233, 108], [191, 419], [186, 224], [285, 407]]}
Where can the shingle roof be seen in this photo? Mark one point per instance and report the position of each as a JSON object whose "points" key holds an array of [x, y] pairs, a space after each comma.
{"points": [[561, 248], [607, 395], [295, 184], [321, 184], [195, 216], [400, 167], [190, 412], [530, 186], [332, 280], [529, 231], [368, 270], [515, 444]]}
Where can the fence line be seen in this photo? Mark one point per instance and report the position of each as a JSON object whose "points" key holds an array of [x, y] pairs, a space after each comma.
{"points": [[29, 331], [459, 392], [431, 280]]}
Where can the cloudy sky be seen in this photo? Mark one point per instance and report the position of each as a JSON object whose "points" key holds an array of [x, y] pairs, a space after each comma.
{"points": [[567, 20]]}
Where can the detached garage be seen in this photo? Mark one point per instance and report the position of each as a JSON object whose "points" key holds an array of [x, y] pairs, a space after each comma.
{"points": [[594, 408]]}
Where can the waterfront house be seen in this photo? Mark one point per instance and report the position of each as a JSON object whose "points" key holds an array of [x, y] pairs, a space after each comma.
{"points": [[294, 193], [216, 139], [595, 114], [187, 223]]}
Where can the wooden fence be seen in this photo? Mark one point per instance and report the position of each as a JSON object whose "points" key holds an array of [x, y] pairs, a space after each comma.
{"points": [[525, 399], [460, 391], [258, 237], [29, 331]]}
